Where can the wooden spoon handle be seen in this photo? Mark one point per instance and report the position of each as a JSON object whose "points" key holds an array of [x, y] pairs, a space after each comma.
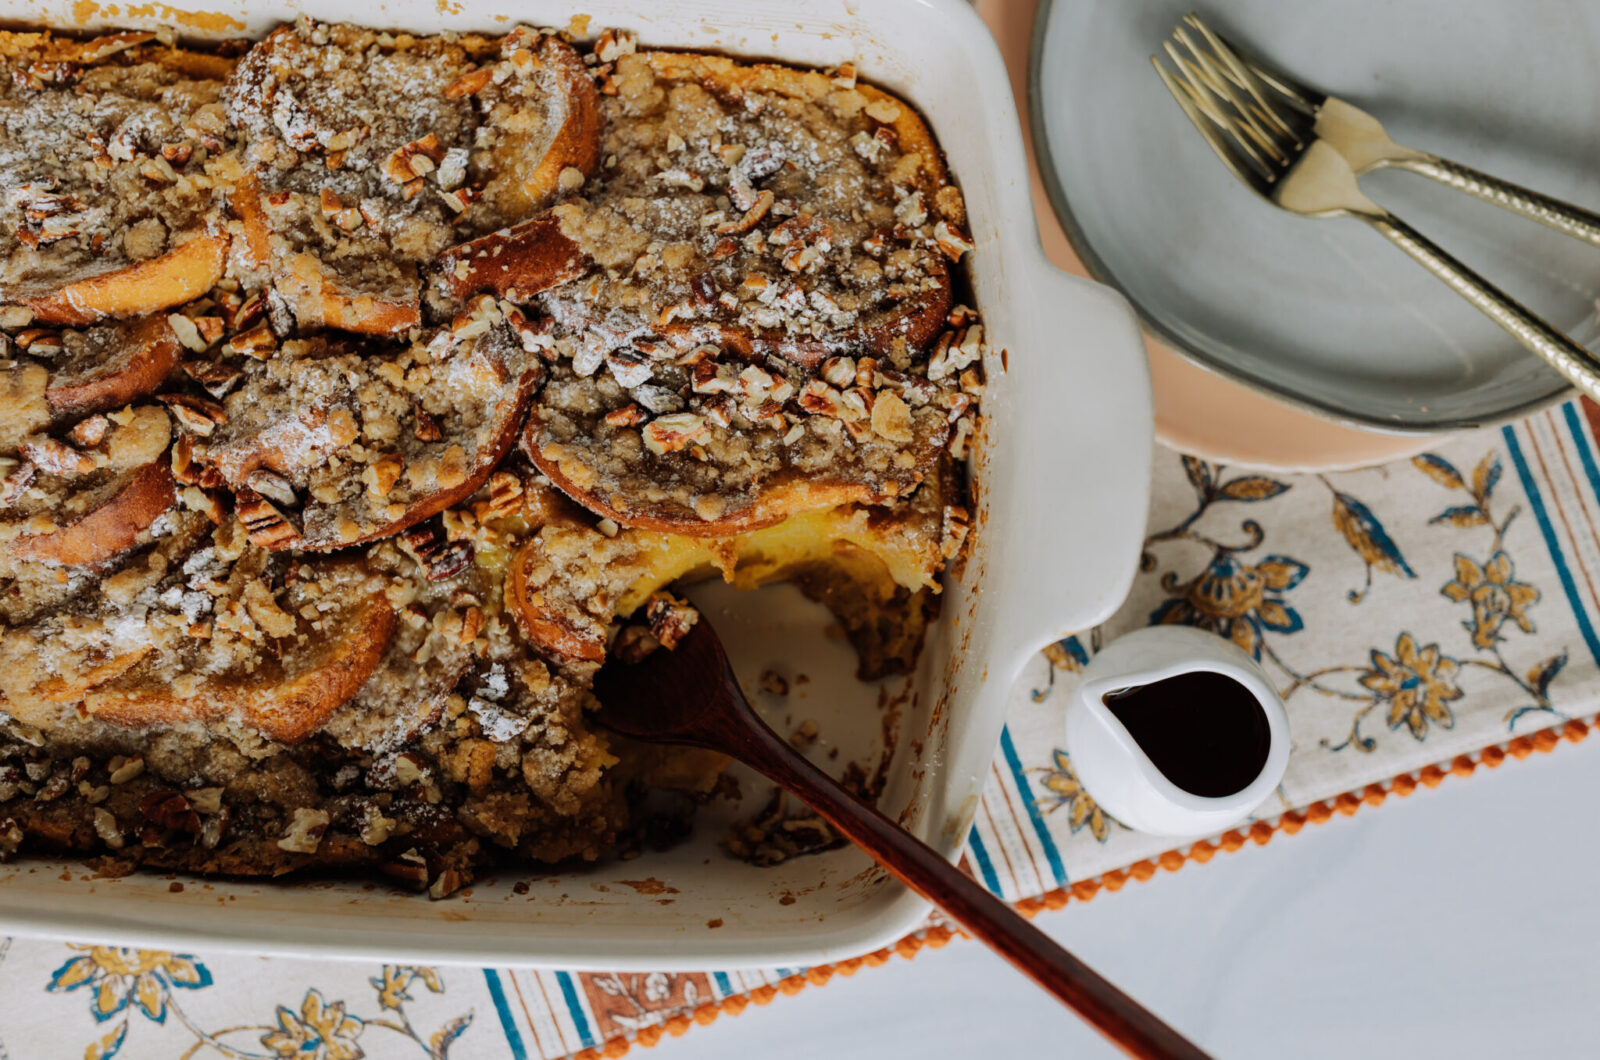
{"points": [[1116, 1015]]}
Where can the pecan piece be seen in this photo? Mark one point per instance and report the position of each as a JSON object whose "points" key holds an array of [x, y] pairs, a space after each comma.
{"points": [[414, 160], [169, 809], [751, 218], [670, 618], [196, 414], [469, 84], [216, 379], [668, 434], [266, 526]]}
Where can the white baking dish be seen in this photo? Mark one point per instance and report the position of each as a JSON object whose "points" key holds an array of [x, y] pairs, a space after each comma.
{"points": [[1062, 477]]}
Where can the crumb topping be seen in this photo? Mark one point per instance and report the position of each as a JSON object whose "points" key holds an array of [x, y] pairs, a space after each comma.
{"points": [[106, 151]]}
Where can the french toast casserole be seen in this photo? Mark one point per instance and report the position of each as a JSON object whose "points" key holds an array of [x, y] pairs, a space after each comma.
{"points": [[362, 391]]}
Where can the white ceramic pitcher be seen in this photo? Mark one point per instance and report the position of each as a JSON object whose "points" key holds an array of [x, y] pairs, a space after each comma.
{"points": [[1116, 771]]}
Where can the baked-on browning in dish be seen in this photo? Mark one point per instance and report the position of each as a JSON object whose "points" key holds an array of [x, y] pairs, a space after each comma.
{"points": [[367, 154], [108, 206], [279, 587]]}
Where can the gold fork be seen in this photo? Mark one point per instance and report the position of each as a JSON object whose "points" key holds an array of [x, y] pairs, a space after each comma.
{"points": [[1274, 149], [1367, 145]]}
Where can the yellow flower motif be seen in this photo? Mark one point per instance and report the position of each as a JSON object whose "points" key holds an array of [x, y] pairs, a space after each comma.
{"points": [[319, 1031], [1065, 790], [394, 985], [118, 976], [1416, 684], [1495, 595], [1237, 600]]}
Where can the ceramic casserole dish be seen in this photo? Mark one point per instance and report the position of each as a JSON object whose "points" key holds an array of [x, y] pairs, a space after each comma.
{"points": [[1061, 475]]}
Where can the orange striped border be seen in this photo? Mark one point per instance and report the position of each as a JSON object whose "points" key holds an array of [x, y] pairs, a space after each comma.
{"points": [[1260, 833]]}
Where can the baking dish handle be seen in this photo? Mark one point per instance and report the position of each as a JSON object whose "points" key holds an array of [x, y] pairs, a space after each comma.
{"points": [[1073, 450]]}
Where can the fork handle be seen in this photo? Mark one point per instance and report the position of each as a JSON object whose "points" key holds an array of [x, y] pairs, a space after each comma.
{"points": [[1576, 364], [1562, 216]]}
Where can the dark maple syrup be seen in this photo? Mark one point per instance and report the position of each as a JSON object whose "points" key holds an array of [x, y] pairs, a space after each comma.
{"points": [[1204, 731]]}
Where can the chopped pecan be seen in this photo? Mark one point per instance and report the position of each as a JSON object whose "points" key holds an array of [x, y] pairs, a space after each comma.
{"points": [[950, 240], [258, 342], [802, 228], [703, 288], [413, 160], [449, 560], [629, 415], [751, 218], [89, 432], [670, 618], [305, 831], [216, 378], [448, 882], [668, 434], [427, 428], [169, 809], [273, 486], [761, 162], [840, 371], [409, 869], [505, 496], [16, 482], [613, 44], [40, 342], [266, 526], [196, 414], [470, 83]]}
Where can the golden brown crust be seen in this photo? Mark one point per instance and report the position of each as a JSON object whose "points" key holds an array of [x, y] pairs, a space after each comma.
{"points": [[545, 628], [776, 502], [517, 262], [146, 354], [285, 707], [576, 144], [107, 531], [319, 299], [182, 274], [734, 80]]}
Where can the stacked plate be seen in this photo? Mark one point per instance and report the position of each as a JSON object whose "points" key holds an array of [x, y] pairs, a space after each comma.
{"points": [[1326, 316]]}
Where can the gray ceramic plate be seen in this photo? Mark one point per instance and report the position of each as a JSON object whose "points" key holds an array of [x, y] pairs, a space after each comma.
{"points": [[1325, 313]]}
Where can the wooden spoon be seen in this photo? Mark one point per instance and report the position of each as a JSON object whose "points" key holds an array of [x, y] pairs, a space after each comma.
{"points": [[689, 696]]}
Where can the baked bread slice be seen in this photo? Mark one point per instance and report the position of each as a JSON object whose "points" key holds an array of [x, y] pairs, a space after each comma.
{"points": [[765, 326], [779, 211], [331, 443], [107, 205], [226, 709], [368, 154], [84, 500], [101, 368]]}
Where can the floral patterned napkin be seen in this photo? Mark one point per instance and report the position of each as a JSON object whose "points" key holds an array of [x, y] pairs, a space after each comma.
{"points": [[1424, 617]]}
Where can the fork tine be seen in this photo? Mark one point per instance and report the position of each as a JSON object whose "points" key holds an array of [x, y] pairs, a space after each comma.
{"points": [[1231, 71], [1298, 95], [1209, 100], [1185, 94]]}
